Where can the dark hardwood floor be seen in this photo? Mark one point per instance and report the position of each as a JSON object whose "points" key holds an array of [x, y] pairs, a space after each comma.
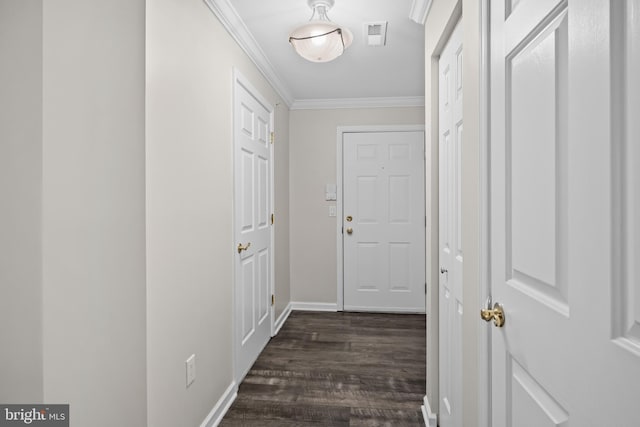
{"points": [[337, 369]]}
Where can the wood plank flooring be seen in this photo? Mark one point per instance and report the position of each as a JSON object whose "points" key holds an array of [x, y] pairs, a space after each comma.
{"points": [[337, 369]]}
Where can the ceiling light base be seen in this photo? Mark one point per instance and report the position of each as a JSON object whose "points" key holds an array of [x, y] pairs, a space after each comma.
{"points": [[328, 4]]}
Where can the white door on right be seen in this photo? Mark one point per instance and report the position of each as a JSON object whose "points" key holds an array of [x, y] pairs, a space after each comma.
{"points": [[565, 212]]}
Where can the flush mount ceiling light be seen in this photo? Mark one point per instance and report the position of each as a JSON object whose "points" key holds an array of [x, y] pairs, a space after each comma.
{"points": [[320, 40]]}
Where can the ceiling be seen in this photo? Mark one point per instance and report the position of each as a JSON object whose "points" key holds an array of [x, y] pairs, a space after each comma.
{"points": [[392, 72]]}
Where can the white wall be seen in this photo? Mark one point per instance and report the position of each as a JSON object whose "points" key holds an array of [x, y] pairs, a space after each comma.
{"points": [[80, 322], [313, 165], [190, 248], [20, 197], [473, 388], [282, 243], [93, 210]]}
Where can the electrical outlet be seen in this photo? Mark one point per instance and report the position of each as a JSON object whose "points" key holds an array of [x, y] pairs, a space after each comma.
{"points": [[191, 369]]}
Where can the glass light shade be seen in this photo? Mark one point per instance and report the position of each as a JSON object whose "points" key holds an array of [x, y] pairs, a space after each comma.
{"points": [[320, 40]]}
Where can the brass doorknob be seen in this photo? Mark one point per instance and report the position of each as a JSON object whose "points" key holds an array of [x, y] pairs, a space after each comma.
{"points": [[243, 248], [496, 313], [349, 230]]}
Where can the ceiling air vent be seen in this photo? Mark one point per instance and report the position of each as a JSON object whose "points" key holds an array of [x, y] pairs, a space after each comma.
{"points": [[375, 33]]}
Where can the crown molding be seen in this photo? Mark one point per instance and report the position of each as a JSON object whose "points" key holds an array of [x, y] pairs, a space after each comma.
{"points": [[420, 10], [330, 104], [232, 22], [229, 18]]}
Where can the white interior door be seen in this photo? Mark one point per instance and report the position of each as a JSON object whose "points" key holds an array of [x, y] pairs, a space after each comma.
{"points": [[450, 233], [253, 250], [384, 222], [565, 206]]}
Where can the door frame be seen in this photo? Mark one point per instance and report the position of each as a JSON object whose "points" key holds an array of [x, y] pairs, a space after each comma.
{"points": [[341, 130], [241, 80], [443, 26]]}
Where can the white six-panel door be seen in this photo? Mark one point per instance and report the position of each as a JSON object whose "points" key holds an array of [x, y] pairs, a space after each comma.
{"points": [[253, 245], [384, 222], [450, 128], [565, 210]]}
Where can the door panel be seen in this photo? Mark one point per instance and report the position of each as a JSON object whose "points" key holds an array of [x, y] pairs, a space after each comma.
{"points": [[532, 405], [263, 193], [263, 286], [626, 314], [366, 193], [400, 267], [399, 199], [384, 194], [535, 202], [451, 307], [563, 212], [252, 230], [247, 299]]}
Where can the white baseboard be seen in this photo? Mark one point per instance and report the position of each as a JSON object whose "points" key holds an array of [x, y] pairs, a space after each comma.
{"points": [[217, 413], [281, 319], [402, 310], [314, 306], [430, 419]]}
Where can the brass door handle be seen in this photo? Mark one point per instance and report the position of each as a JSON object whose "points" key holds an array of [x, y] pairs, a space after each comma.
{"points": [[349, 230], [496, 313], [243, 248]]}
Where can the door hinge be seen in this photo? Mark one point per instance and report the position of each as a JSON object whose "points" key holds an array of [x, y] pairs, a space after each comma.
{"points": [[273, 137], [273, 299], [273, 219]]}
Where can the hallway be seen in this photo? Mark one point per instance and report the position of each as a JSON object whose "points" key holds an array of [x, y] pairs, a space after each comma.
{"points": [[118, 257], [337, 369]]}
